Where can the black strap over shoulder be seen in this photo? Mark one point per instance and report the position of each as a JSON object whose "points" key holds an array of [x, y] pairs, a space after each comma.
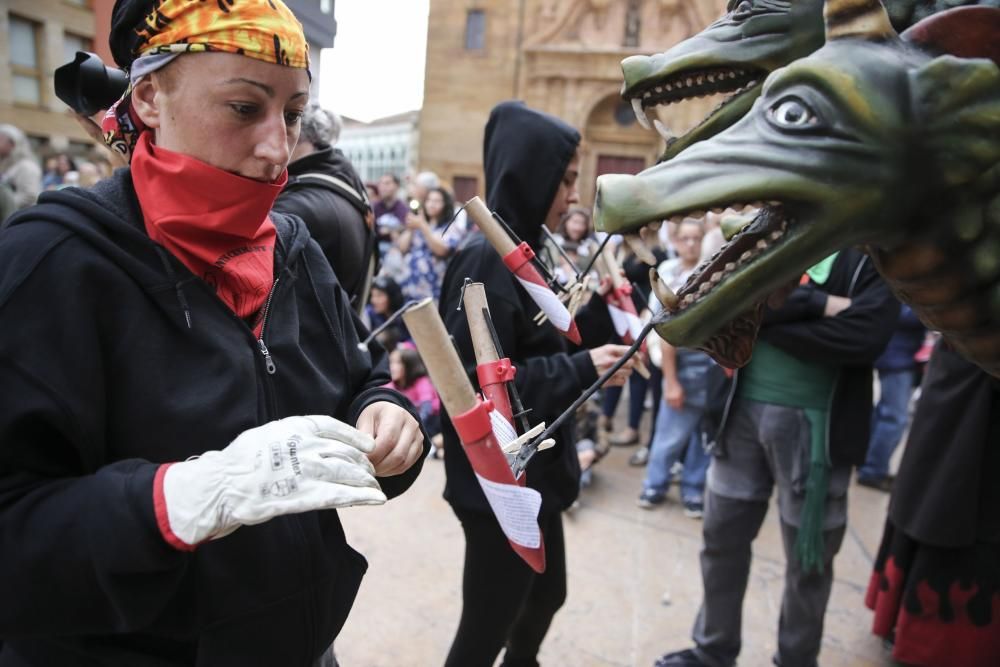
{"points": [[358, 200]]}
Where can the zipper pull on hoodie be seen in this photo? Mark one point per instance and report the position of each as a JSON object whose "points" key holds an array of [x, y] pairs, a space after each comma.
{"points": [[268, 361]]}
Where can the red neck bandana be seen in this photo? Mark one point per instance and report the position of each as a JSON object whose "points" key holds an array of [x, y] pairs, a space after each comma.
{"points": [[216, 223]]}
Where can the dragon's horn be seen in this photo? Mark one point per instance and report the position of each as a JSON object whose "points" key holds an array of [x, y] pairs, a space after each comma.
{"points": [[859, 19]]}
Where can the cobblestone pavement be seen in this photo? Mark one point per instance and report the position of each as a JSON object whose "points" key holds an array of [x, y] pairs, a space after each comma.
{"points": [[634, 581]]}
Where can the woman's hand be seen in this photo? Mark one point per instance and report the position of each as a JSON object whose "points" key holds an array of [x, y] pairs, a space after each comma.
{"points": [[605, 357], [399, 442], [416, 221]]}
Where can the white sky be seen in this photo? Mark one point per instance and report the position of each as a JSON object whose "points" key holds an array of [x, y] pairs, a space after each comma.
{"points": [[376, 67]]}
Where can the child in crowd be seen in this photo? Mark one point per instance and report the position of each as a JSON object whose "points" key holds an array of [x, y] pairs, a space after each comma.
{"points": [[386, 299], [409, 377]]}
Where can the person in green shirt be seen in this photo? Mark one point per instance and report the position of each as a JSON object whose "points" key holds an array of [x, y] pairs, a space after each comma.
{"points": [[798, 420]]}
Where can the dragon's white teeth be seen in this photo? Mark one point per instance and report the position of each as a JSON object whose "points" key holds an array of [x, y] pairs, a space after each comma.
{"points": [[730, 266], [716, 277], [664, 294], [762, 244], [710, 77], [655, 226], [677, 219], [668, 87], [718, 210], [697, 215], [749, 208], [662, 129], [746, 256], [704, 288], [659, 89], [775, 235], [644, 254], [640, 113], [774, 202]]}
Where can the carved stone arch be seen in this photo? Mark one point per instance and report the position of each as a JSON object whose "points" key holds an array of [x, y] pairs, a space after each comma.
{"points": [[611, 136]]}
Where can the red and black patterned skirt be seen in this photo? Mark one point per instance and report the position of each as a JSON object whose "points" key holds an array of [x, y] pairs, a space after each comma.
{"points": [[940, 607]]}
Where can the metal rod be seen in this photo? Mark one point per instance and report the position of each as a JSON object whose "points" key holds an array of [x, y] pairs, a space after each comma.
{"points": [[528, 450], [597, 254], [551, 237], [363, 345], [515, 398], [453, 219]]}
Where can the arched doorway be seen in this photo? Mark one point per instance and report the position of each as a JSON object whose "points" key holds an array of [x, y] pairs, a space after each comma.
{"points": [[614, 143]]}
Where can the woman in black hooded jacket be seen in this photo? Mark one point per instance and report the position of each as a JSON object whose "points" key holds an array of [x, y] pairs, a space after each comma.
{"points": [[531, 164]]}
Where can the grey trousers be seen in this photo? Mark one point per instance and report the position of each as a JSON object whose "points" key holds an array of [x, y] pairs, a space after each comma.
{"points": [[767, 446]]}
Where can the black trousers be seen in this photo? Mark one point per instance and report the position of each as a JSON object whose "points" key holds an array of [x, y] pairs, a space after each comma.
{"points": [[504, 602]]}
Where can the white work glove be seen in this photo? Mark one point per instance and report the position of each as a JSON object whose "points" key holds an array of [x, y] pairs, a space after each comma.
{"points": [[292, 465]]}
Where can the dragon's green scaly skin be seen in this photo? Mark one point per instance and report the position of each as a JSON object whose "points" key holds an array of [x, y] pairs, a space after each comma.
{"points": [[737, 52], [869, 141]]}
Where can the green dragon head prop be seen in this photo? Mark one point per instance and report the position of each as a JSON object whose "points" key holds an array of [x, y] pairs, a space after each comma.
{"points": [[873, 140], [735, 54]]}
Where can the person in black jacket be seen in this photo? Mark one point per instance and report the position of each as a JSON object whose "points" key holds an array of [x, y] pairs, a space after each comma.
{"points": [[531, 164], [324, 190], [799, 418], [184, 401]]}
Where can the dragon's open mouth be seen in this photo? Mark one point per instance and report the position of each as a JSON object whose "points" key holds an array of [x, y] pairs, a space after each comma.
{"points": [[770, 226], [656, 93]]}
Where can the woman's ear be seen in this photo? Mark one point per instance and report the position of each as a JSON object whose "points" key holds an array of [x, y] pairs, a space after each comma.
{"points": [[146, 100]]}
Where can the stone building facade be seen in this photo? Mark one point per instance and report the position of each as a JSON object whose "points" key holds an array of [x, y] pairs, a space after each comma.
{"points": [[560, 56], [39, 36]]}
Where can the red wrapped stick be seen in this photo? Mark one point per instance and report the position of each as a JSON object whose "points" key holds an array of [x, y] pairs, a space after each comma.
{"points": [[518, 258], [621, 308], [515, 506], [493, 372]]}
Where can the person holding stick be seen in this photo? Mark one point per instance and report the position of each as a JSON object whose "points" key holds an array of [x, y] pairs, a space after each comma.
{"points": [[531, 162]]}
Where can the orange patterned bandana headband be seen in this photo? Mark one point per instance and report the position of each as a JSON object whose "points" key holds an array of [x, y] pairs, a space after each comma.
{"points": [[262, 29]]}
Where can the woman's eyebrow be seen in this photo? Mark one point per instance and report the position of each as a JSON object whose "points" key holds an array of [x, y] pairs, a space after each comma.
{"points": [[263, 86]]}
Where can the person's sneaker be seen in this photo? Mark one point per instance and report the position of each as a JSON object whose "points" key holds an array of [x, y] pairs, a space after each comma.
{"points": [[685, 658], [626, 438], [649, 499], [694, 509], [639, 457], [880, 483]]}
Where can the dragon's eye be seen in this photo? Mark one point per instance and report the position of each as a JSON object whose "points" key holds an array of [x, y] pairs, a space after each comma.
{"points": [[743, 10], [793, 113]]}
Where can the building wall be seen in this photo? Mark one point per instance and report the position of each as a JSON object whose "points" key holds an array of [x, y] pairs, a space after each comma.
{"points": [[382, 146], [47, 122], [559, 56], [461, 86]]}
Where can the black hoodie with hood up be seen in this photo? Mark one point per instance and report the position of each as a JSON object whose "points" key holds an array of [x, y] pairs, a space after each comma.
{"points": [[115, 358], [525, 156]]}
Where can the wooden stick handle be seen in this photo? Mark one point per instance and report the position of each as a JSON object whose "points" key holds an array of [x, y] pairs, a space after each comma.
{"points": [[440, 358], [482, 339], [492, 230], [607, 258]]}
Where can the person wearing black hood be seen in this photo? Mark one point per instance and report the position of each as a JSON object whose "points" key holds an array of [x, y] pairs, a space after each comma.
{"points": [[324, 190], [531, 161], [185, 406]]}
